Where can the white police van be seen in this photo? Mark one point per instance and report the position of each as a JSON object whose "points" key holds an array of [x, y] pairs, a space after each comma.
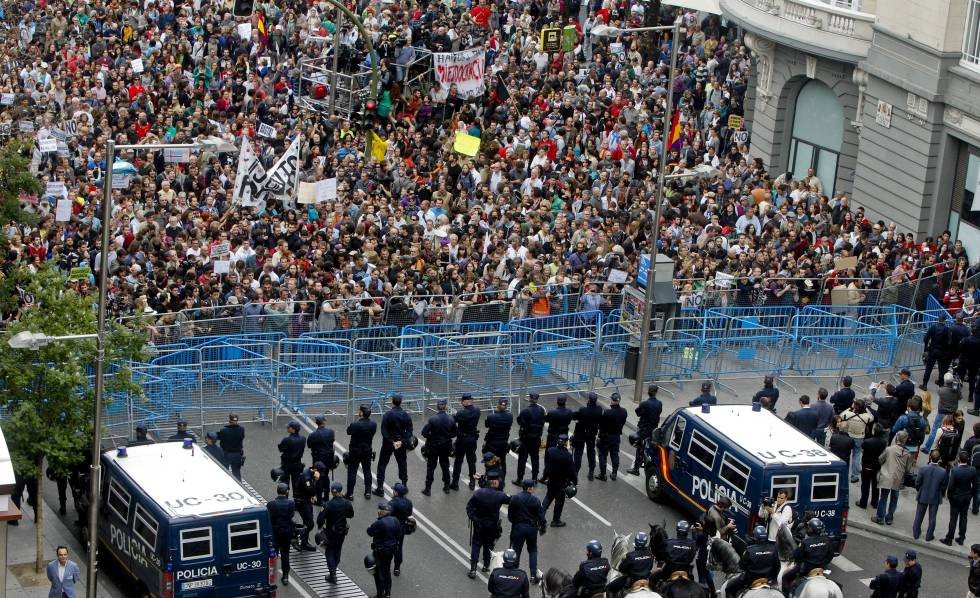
{"points": [[182, 526], [748, 454]]}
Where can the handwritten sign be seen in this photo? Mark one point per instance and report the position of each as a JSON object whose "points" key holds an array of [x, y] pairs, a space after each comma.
{"points": [[25, 126], [465, 70], [7, 99], [267, 131], [137, 65], [76, 274], [221, 251], [735, 121], [56, 189], [63, 211], [48, 145], [326, 190]]}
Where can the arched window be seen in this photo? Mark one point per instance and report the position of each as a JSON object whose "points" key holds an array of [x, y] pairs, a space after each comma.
{"points": [[818, 133]]}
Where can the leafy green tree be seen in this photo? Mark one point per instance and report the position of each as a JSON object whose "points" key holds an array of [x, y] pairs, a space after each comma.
{"points": [[15, 179], [50, 392]]}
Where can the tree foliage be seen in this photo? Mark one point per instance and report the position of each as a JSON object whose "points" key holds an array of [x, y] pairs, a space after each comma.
{"points": [[15, 179]]}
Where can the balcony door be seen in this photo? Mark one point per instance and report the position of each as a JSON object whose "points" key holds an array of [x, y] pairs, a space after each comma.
{"points": [[818, 134]]}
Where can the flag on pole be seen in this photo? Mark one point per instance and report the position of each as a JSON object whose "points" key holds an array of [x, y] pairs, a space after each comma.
{"points": [[250, 179], [260, 25], [674, 141], [500, 90]]}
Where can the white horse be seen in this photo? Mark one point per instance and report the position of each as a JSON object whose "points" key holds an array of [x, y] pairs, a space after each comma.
{"points": [[817, 585]]}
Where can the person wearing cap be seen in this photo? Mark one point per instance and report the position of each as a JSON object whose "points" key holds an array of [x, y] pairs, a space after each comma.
{"points": [[935, 350], [885, 584], [587, 420], [648, 412], [610, 437], [527, 520], [769, 395], [281, 512], [401, 509], [439, 433], [467, 420], [291, 449], [396, 429], [911, 580], [559, 472], [182, 432], [320, 442], [232, 440], [141, 436], [483, 512], [559, 420], [309, 489], [705, 398], [333, 522], [491, 467], [211, 447], [359, 452], [530, 423], [498, 426], [385, 533]]}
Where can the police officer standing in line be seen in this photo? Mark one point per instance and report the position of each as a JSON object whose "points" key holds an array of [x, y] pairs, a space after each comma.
{"points": [[526, 516], [636, 565], [911, 579], [211, 447], [681, 552], [769, 395], [590, 579], [648, 412], [333, 521], [759, 561], [935, 350], [307, 492], [396, 429], [610, 437], [385, 532], [509, 581], [291, 449], [558, 420], [281, 511], [467, 420], [232, 439], [401, 509], [814, 552], [885, 584], [182, 432], [705, 398], [359, 453], [141, 436], [559, 472], [587, 420], [956, 333], [483, 512], [530, 424], [438, 432], [498, 426], [320, 443]]}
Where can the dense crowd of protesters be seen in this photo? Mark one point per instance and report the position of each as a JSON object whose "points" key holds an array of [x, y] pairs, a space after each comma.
{"points": [[552, 212]]}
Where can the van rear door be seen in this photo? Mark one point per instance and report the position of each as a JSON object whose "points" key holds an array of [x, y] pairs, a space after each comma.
{"points": [[196, 570], [245, 569]]}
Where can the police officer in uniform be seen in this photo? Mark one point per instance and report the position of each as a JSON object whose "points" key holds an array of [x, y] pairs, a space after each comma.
{"points": [[636, 565], [361, 434], [970, 365], [587, 420], [681, 552], [558, 420], [483, 512], [610, 437], [307, 492], [291, 449], [526, 516], [648, 412], [438, 432], [385, 534], [935, 350], [956, 333], [467, 420], [281, 511], [759, 561], [232, 439], [769, 395], [333, 521], [211, 447], [705, 398], [182, 432], [590, 579], [814, 552], [141, 436], [530, 423], [396, 429], [320, 443], [559, 472], [401, 509], [498, 426], [509, 581]]}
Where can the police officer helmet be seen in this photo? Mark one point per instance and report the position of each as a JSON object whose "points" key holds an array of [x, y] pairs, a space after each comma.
{"points": [[277, 474], [369, 563], [570, 491], [815, 527], [652, 390], [282, 489], [683, 527], [759, 534], [510, 558], [634, 439], [641, 539], [593, 549], [400, 489], [561, 400], [515, 445]]}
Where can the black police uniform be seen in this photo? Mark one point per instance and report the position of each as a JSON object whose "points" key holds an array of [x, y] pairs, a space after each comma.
{"points": [[333, 521], [885, 584], [610, 437], [954, 335], [587, 420], [526, 516], [483, 511], [467, 420], [307, 492], [491, 470], [910, 581], [281, 511], [385, 534], [558, 420], [361, 434], [401, 509], [590, 579], [215, 451], [636, 565], [396, 426], [498, 425], [681, 553], [759, 561], [291, 449], [970, 363], [648, 412], [232, 440], [703, 399], [559, 472], [768, 396], [438, 432], [814, 552], [182, 434], [936, 345], [531, 425], [320, 444], [508, 583]]}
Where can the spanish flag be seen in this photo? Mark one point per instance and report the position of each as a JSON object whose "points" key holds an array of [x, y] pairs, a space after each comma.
{"points": [[260, 25], [674, 140]]}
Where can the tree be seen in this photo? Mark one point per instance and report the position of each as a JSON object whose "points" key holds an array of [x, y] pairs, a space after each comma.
{"points": [[16, 179], [50, 393]]}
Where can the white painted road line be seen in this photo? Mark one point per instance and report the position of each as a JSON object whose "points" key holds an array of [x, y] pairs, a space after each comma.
{"points": [[845, 564], [867, 581]]}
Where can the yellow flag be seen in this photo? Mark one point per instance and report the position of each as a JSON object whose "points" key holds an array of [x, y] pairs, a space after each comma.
{"points": [[379, 147], [467, 145]]}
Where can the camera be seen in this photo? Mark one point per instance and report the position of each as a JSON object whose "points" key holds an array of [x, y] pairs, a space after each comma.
{"points": [[768, 501]]}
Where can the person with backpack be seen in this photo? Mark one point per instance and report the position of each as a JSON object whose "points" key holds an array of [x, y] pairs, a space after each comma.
{"points": [[946, 444], [857, 421], [913, 423], [949, 399], [841, 443]]}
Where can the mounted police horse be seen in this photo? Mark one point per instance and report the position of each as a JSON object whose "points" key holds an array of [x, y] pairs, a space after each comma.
{"points": [[557, 583]]}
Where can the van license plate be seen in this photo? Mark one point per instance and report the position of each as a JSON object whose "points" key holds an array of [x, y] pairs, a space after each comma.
{"points": [[200, 583]]}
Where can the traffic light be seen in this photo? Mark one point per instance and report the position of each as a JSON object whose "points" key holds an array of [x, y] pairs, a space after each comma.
{"points": [[365, 113], [243, 8]]}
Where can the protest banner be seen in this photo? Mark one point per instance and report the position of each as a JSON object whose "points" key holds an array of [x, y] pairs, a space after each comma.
{"points": [[463, 69]]}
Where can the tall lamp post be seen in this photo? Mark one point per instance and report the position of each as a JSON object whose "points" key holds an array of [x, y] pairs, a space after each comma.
{"points": [[676, 29]]}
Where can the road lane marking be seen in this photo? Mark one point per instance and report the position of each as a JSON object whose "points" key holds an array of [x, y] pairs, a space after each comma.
{"points": [[845, 564]]}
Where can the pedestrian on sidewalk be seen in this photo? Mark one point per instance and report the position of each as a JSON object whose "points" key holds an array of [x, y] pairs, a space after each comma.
{"points": [[896, 461], [825, 413], [962, 486], [973, 581], [63, 575], [908, 584], [874, 446], [841, 443], [949, 400], [843, 398], [858, 421], [946, 445], [804, 419], [930, 485]]}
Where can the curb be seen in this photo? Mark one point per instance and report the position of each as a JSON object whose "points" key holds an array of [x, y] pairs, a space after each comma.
{"points": [[883, 530]]}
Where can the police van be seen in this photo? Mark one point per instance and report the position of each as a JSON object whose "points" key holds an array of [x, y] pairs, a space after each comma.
{"points": [[749, 455], [182, 526]]}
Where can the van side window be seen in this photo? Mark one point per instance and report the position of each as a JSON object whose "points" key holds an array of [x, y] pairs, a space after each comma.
{"points": [[677, 433], [702, 449], [119, 500], [195, 543], [824, 487], [243, 536], [789, 483], [145, 526], [734, 472]]}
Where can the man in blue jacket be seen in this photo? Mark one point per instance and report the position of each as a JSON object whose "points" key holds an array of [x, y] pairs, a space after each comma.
{"points": [[962, 485], [930, 484], [804, 419], [63, 575]]}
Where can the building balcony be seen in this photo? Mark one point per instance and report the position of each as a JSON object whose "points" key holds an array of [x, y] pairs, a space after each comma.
{"points": [[833, 29]]}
